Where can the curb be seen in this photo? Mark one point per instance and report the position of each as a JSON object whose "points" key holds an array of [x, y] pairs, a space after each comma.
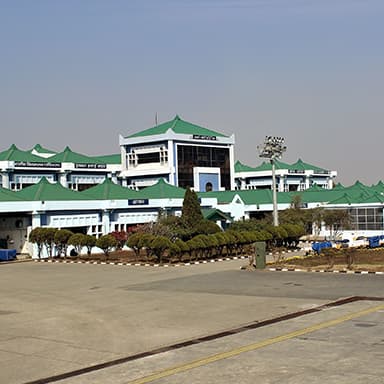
{"points": [[342, 271], [133, 264]]}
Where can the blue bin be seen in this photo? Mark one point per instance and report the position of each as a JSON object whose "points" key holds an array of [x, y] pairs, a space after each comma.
{"points": [[7, 254]]}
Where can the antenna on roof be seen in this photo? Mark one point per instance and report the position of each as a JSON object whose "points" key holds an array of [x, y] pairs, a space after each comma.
{"points": [[156, 119]]}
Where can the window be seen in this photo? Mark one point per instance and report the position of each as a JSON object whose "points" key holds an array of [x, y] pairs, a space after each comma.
{"points": [[189, 156]]}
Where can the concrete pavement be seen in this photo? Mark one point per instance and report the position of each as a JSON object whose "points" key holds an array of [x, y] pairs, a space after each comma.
{"points": [[56, 318]]}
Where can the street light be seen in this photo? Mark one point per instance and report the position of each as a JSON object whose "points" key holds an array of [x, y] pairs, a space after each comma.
{"points": [[273, 149]]}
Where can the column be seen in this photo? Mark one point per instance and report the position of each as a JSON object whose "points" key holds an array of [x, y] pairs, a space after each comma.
{"points": [[5, 178], [63, 179], [106, 222]]}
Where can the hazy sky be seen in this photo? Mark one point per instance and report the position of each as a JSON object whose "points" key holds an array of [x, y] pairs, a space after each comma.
{"points": [[81, 72]]}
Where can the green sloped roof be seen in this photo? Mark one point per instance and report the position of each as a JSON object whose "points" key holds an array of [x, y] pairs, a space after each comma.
{"points": [[108, 190], [162, 190], [267, 166], [315, 188], [45, 191], [15, 154], [338, 187], [8, 195], [40, 149], [374, 198], [215, 214], [345, 199], [379, 187], [263, 196], [300, 165], [223, 197], [240, 167], [110, 159], [68, 156], [318, 195], [178, 126]]}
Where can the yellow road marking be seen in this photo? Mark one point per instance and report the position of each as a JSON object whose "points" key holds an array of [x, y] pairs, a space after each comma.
{"points": [[252, 347]]}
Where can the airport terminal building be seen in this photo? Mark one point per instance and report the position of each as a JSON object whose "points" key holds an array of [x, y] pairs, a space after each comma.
{"points": [[100, 194]]}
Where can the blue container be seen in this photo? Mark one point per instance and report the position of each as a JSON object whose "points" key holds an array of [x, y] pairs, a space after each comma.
{"points": [[7, 254]]}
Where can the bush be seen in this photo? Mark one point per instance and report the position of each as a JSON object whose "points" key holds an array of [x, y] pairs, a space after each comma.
{"points": [[106, 243]]}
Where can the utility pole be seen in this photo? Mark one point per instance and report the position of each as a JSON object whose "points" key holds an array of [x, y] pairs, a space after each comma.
{"points": [[272, 149]]}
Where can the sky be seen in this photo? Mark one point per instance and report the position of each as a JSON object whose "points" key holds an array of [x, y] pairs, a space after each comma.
{"points": [[82, 72]]}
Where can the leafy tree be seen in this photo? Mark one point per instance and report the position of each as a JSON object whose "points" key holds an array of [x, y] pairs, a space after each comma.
{"points": [[191, 211], [89, 242], [221, 240], [121, 238], [336, 220], [77, 240], [294, 232], [146, 243], [61, 240], [247, 225], [206, 227], [37, 237], [106, 243], [183, 247], [134, 243], [174, 251], [159, 245], [49, 239]]}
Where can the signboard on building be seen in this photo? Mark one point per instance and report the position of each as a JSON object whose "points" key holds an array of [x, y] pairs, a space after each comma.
{"points": [[35, 164], [90, 166], [138, 202], [204, 137]]}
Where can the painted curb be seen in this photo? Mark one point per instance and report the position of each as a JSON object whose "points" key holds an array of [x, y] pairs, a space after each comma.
{"points": [[143, 264], [342, 271]]}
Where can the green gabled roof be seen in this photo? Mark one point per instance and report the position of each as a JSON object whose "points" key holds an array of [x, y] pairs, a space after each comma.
{"points": [[374, 198], [215, 214], [344, 199], [379, 187], [110, 159], [263, 196], [318, 195], [45, 191], [223, 197], [301, 166], [338, 187], [315, 188], [177, 125], [240, 167], [162, 190], [15, 154], [267, 166], [40, 149], [8, 195], [359, 190], [108, 190], [68, 156]]}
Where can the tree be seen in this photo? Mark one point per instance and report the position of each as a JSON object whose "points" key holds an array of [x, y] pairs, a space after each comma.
{"points": [[77, 240], [191, 211], [89, 242], [61, 240], [336, 220], [159, 245], [146, 243], [106, 243], [134, 243], [37, 237], [121, 238], [49, 239], [183, 247]]}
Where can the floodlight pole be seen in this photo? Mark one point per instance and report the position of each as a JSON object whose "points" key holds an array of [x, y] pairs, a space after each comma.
{"points": [[274, 193], [273, 149]]}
